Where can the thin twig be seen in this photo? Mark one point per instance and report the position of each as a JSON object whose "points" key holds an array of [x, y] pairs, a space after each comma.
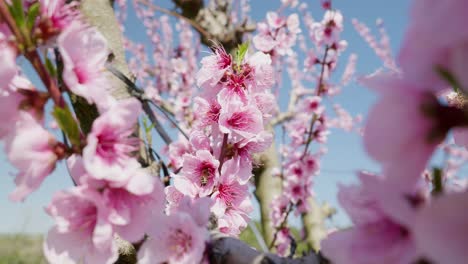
{"points": [[138, 93], [258, 236], [177, 15], [282, 225], [222, 154], [319, 90]]}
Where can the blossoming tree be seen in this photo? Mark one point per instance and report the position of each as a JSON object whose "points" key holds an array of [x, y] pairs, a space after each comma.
{"points": [[167, 153]]}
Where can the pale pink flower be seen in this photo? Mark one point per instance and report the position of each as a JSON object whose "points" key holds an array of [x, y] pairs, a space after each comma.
{"points": [[398, 131], [81, 232], [244, 149], [110, 143], [421, 53], [199, 174], [214, 67], [264, 42], [275, 21], [176, 151], [441, 229], [207, 111], [8, 68], [279, 208], [312, 104], [198, 208], [84, 52], [293, 23], [58, 12], [283, 241], [132, 202], [199, 140], [380, 233], [263, 74], [174, 239], [229, 192], [173, 197], [14, 101], [240, 121], [236, 219], [266, 103], [32, 150]]}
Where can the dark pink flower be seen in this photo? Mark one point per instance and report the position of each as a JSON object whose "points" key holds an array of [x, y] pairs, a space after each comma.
{"points": [[199, 174]]}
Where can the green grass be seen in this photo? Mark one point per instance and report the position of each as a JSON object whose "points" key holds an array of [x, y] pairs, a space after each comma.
{"points": [[248, 237], [21, 249]]}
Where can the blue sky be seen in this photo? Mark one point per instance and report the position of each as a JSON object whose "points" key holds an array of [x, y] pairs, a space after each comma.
{"points": [[345, 154]]}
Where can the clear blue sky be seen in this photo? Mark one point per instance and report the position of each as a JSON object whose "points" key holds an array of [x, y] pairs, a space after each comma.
{"points": [[345, 154]]}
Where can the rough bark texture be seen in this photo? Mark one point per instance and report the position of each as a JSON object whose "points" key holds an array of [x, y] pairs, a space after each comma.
{"points": [[314, 222], [214, 20], [267, 188], [228, 250]]}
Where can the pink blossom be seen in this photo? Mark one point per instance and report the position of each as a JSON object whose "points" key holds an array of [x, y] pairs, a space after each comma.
{"points": [[398, 132], [283, 242], [199, 174], [236, 219], [199, 209], [441, 229], [110, 143], [81, 232], [132, 204], [20, 96], [266, 103], [275, 21], [8, 54], [84, 52], [279, 207], [58, 13], [32, 150], [380, 233], [421, 54], [240, 121], [207, 111], [176, 238], [177, 150], [214, 67], [293, 23], [229, 192], [244, 149], [264, 42], [263, 74]]}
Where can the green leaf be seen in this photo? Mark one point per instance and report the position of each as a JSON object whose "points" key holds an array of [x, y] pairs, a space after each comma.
{"points": [[16, 10], [448, 76], [68, 124], [437, 185], [32, 15], [50, 67], [241, 51]]}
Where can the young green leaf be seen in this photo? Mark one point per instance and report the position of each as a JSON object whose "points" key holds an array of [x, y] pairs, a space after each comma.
{"points": [[16, 10], [68, 124], [50, 67], [241, 52], [32, 15], [437, 184], [447, 76]]}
